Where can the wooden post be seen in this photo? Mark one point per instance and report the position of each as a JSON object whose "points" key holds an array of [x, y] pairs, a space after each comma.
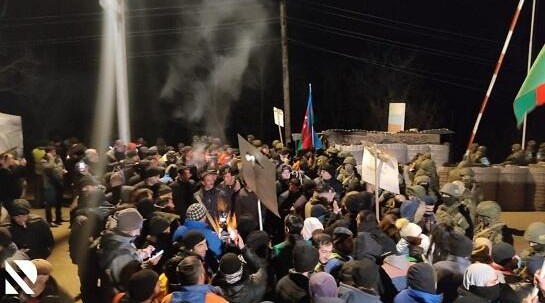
{"points": [[285, 71]]}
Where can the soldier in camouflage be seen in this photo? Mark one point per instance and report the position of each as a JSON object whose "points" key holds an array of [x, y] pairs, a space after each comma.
{"points": [[535, 235], [488, 224], [452, 212], [348, 173], [516, 157]]}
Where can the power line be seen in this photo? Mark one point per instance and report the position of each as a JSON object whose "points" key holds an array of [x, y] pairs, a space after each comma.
{"points": [[135, 34], [99, 13], [380, 40], [129, 16], [441, 31], [385, 65]]}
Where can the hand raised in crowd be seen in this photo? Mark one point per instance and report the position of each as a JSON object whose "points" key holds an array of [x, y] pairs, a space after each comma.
{"points": [[336, 208], [239, 242], [146, 252], [540, 284]]}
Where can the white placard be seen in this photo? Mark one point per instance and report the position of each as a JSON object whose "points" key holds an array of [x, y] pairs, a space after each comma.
{"points": [[278, 116], [375, 159]]}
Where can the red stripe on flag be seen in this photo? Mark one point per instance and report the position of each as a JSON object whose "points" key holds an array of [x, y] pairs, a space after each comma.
{"points": [[540, 95]]}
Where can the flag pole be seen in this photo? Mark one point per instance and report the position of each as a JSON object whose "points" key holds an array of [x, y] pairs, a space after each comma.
{"points": [[530, 46], [311, 114], [495, 75]]}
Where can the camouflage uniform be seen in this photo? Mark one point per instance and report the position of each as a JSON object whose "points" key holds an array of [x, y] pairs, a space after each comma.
{"points": [[517, 157], [452, 212], [427, 167], [535, 234], [345, 176], [487, 223]]}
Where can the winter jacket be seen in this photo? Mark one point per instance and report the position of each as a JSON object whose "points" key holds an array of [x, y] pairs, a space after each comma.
{"points": [[251, 288], [283, 255], [196, 294], [116, 250], [450, 275], [327, 300], [36, 237], [410, 295], [293, 288], [212, 240], [351, 294], [465, 296]]}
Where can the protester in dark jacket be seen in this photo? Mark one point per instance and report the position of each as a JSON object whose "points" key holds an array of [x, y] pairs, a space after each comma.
{"points": [[294, 287], [29, 232], [422, 286], [235, 278], [359, 280], [283, 252]]}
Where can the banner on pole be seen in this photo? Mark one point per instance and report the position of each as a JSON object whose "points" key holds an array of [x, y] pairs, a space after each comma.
{"points": [[375, 160], [278, 116]]}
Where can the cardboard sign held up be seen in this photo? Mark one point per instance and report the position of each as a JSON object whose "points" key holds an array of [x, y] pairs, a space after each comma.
{"points": [[259, 173]]}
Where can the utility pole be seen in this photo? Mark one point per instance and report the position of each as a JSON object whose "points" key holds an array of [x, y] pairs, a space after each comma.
{"points": [[285, 70]]}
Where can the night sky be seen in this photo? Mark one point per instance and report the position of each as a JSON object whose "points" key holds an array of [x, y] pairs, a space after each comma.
{"points": [[437, 56]]}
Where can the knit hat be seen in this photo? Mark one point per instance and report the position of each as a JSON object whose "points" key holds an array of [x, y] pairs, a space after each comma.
{"points": [[329, 168], [460, 245], [5, 237], [129, 219], [257, 239], [195, 212], [305, 258], [322, 285], [43, 267], [421, 276], [145, 207], [157, 225], [142, 285], [19, 207], [408, 229], [364, 273], [231, 267], [192, 238], [502, 253], [416, 191]]}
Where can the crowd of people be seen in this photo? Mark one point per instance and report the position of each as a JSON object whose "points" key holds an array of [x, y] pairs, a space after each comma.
{"points": [[179, 224]]}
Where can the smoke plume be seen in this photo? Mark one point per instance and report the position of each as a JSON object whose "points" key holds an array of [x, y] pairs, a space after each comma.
{"points": [[204, 83]]}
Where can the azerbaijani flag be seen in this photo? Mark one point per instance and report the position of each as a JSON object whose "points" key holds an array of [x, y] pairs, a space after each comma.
{"points": [[532, 92], [309, 138]]}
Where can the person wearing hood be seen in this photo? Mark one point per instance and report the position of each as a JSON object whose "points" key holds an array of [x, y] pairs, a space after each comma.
{"points": [[323, 289], [235, 277], [480, 285], [359, 282], [450, 272], [422, 288], [366, 222]]}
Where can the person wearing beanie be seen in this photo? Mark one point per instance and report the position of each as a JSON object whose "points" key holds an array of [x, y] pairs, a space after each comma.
{"points": [[422, 282], [195, 219], [45, 288], [359, 281], [235, 279], [29, 232], [328, 177], [450, 272], [152, 180], [294, 287], [413, 242], [323, 288], [505, 262], [193, 288], [480, 284], [116, 248]]}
